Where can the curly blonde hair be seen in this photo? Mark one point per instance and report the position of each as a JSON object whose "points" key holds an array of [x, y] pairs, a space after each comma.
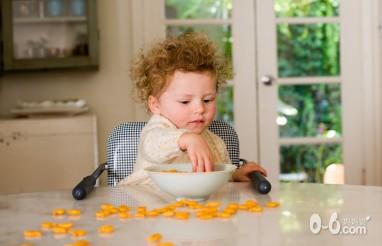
{"points": [[191, 52]]}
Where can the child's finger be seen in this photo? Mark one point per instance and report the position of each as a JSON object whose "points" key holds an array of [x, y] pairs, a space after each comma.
{"points": [[208, 165], [194, 163], [262, 170], [256, 167], [201, 164]]}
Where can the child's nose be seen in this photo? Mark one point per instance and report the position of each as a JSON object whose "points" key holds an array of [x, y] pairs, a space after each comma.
{"points": [[199, 108]]}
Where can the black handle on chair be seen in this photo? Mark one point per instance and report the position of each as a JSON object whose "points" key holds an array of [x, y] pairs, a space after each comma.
{"points": [[84, 187], [260, 183]]}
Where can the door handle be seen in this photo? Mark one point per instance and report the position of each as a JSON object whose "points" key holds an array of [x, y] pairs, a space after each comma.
{"points": [[266, 80]]}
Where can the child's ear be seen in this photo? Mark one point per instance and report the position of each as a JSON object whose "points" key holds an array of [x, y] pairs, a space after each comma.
{"points": [[153, 104]]}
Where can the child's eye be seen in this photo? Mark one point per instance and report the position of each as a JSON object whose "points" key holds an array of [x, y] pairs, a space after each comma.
{"points": [[184, 102], [208, 100]]}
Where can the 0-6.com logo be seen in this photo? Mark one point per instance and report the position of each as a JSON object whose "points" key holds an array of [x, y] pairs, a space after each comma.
{"points": [[349, 226]]}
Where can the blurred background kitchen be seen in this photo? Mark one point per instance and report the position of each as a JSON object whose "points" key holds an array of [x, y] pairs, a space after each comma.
{"points": [[305, 97]]}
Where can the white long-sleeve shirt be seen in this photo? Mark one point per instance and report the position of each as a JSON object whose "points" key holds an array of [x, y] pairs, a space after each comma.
{"points": [[159, 145]]}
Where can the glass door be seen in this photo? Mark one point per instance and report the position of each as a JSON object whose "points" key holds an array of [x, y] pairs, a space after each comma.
{"points": [[307, 105]]}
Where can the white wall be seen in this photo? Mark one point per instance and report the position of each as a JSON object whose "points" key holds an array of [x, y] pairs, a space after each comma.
{"points": [[107, 90]]}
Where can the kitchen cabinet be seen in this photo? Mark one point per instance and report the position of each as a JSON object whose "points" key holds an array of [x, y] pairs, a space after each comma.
{"points": [[40, 154], [49, 34]]}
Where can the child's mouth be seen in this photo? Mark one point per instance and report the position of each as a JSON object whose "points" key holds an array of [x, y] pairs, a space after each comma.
{"points": [[197, 122]]}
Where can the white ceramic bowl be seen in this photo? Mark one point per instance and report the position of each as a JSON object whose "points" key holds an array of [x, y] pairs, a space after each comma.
{"points": [[187, 184]]}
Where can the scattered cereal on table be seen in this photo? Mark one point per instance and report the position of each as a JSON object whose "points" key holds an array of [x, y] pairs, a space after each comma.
{"points": [[224, 215], [124, 208], [106, 229], [124, 215], [79, 243], [47, 225], [101, 214], [182, 215], [106, 206], [58, 212], [66, 225], [272, 204], [154, 238], [78, 233], [29, 234], [169, 213], [59, 230], [73, 212], [256, 209], [26, 244], [166, 244]]}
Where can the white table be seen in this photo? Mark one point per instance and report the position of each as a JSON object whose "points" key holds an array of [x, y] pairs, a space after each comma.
{"points": [[286, 225]]}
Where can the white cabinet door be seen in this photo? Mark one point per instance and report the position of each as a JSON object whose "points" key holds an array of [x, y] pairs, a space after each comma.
{"points": [[41, 154]]}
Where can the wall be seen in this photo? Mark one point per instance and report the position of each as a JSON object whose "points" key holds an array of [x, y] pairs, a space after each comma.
{"points": [[107, 91]]}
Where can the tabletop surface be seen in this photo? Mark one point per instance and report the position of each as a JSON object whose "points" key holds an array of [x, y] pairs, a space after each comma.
{"points": [[304, 208]]}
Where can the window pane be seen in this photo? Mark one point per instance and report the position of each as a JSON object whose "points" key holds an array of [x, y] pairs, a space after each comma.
{"points": [[307, 163], [309, 110], [198, 9], [306, 8], [225, 104], [308, 50], [220, 34]]}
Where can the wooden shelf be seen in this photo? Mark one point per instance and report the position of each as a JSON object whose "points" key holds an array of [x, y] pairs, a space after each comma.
{"points": [[63, 19]]}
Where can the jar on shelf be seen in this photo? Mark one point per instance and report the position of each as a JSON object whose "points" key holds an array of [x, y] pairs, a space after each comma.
{"points": [[54, 8], [25, 9], [77, 7]]}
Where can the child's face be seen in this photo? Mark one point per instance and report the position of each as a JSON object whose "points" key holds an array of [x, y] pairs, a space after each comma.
{"points": [[188, 101]]}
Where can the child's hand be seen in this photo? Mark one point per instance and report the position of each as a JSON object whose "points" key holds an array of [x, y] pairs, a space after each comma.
{"points": [[241, 174], [198, 152]]}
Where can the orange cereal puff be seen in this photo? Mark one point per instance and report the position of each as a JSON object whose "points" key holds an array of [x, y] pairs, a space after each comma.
{"points": [[106, 206], [182, 215], [32, 234], [102, 214], [272, 204], [106, 229], [224, 215], [59, 230], [213, 204], [78, 232], [47, 225], [124, 208], [73, 212], [65, 225], [79, 243], [170, 171], [256, 209], [154, 238], [124, 215], [166, 244], [168, 213], [58, 212]]}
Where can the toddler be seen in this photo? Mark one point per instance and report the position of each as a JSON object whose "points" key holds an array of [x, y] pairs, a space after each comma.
{"points": [[177, 80]]}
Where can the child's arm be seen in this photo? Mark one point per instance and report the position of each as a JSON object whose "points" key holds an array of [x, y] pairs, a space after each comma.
{"points": [[197, 150], [160, 144], [241, 174]]}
